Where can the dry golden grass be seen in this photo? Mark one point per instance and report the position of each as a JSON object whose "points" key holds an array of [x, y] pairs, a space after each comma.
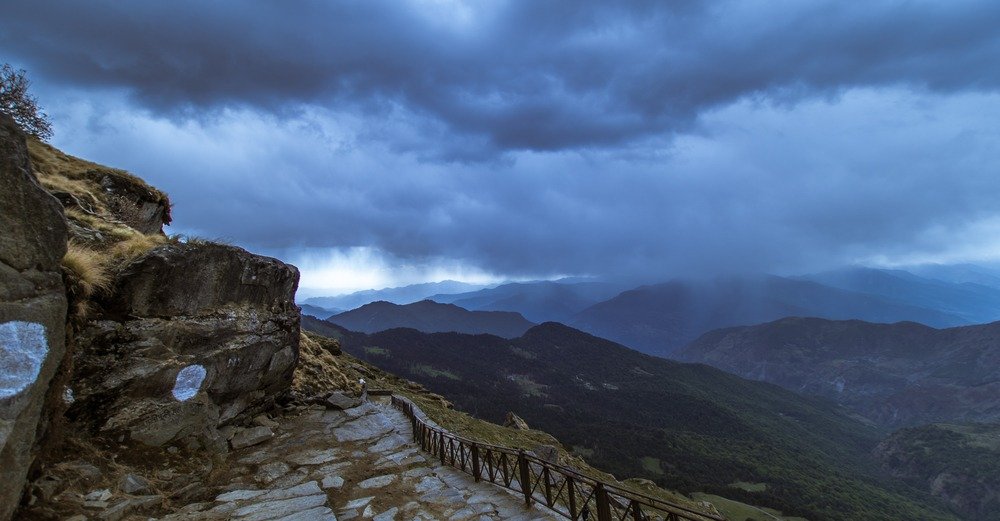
{"points": [[79, 188], [89, 268], [318, 370], [47, 159], [100, 217], [91, 220], [134, 245], [50, 164], [104, 220]]}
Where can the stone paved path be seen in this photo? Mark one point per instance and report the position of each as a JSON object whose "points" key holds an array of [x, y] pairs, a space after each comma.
{"points": [[357, 464]]}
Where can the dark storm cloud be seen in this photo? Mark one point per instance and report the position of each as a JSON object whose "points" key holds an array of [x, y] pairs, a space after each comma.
{"points": [[496, 77], [762, 188], [639, 138]]}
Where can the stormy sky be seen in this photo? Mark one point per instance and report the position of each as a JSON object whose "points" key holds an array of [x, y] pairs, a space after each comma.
{"points": [[376, 143]]}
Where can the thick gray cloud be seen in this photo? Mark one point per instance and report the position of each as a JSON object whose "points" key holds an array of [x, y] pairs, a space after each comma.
{"points": [[505, 76], [541, 138]]}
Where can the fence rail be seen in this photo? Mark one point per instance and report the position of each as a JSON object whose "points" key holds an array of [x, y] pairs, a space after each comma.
{"points": [[557, 487]]}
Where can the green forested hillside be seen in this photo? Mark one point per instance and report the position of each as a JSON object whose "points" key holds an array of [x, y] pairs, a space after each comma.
{"points": [[685, 426], [957, 462], [895, 375]]}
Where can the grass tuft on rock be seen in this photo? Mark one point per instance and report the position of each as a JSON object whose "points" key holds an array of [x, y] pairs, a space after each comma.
{"points": [[59, 171], [89, 269], [135, 246]]}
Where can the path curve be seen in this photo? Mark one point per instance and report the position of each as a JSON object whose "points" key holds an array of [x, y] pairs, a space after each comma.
{"points": [[355, 464]]}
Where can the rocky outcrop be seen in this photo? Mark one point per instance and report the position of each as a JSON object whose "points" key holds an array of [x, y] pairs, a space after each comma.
{"points": [[137, 205], [516, 422], [197, 279], [193, 336], [32, 308]]}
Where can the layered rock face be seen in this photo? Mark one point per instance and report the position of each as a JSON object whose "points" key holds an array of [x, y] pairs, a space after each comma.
{"points": [[32, 308], [193, 336], [138, 206]]}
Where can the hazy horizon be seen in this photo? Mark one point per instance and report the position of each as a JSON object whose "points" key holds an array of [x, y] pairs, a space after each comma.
{"points": [[630, 282]]}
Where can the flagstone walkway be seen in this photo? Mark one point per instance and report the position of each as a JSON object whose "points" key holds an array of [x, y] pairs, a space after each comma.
{"points": [[356, 464]]}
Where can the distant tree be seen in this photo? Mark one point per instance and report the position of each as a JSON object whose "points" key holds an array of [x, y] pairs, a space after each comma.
{"points": [[23, 107]]}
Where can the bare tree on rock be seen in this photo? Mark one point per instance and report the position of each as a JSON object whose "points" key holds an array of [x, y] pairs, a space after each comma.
{"points": [[19, 104]]}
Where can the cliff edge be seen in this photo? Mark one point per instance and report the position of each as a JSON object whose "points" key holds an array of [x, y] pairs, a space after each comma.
{"points": [[115, 338], [32, 308]]}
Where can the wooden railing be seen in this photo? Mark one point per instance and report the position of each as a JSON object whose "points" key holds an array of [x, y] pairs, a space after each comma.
{"points": [[559, 488]]}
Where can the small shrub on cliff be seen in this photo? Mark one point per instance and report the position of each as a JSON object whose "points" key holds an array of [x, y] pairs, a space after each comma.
{"points": [[23, 107]]}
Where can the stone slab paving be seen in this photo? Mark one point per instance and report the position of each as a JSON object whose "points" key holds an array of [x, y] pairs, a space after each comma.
{"points": [[356, 464]]}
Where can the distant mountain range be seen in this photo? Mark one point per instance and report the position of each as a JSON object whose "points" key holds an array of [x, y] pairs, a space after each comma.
{"points": [[401, 295], [911, 359], [321, 327], [960, 273], [430, 317], [318, 312], [972, 302], [544, 301], [660, 318], [895, 375], [685, 426]]}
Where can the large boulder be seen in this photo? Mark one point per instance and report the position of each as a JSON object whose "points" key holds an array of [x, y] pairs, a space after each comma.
{"points": [[32, 308], [196, 279], [194, 336], [515, 422]]}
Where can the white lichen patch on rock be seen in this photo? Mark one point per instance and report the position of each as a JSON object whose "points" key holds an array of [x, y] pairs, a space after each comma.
{"points": [[188, 382], [23, 346]]}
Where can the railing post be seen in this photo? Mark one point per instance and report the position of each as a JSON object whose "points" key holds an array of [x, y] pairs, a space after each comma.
{"points": [[441, 445], [571, 489], [475, 461], [525, 477], [431, 439], [603, 502], [548, 486], [637, 511]]}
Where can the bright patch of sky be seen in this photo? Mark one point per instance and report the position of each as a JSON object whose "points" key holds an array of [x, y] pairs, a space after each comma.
{"points": [[336, 271]]}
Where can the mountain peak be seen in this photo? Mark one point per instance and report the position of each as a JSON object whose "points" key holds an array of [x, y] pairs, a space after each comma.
{"points": [[431, 317]]}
